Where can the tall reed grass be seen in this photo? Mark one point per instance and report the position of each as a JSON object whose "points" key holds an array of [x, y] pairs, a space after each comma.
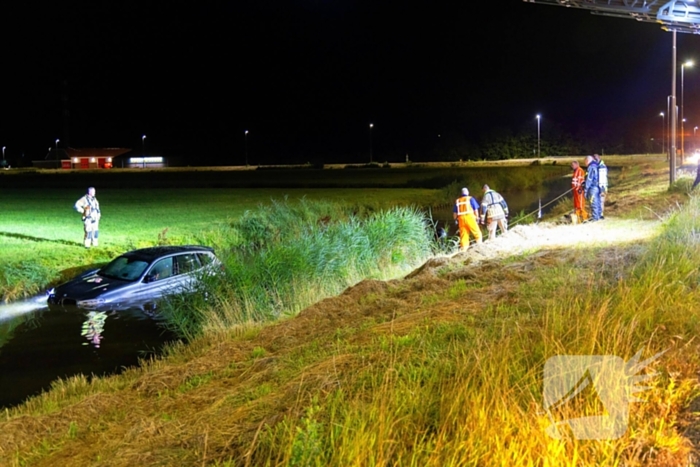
{"points": [[282, 257], [470, 392]]}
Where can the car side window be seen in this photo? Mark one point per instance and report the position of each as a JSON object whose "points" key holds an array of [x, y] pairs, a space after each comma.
{"points": [[205, 259], [186, 263], [162, 269]]}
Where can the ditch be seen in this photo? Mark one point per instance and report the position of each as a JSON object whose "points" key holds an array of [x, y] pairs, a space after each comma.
{"points": [[39, 346]]}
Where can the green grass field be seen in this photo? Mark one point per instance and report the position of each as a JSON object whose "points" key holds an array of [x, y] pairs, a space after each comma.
{"points": [[41, 234], [442, 368]]}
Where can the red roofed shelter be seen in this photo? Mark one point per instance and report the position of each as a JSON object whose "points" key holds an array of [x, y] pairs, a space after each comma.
{"points": [[91, 158]]}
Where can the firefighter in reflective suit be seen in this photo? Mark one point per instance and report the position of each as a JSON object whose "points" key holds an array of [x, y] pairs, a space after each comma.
{"points": [[466, 213], [577, 184], [89, 208]]}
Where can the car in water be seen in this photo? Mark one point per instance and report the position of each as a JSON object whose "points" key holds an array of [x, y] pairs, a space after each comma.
{"points": [[139, 277]]}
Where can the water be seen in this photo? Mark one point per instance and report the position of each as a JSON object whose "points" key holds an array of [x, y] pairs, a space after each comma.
{"points": [[520, 200], [38, 345]]}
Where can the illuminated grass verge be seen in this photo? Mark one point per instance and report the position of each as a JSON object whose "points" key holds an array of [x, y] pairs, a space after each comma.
{"points": [[41, 236], [463, 385], [283, 257], [441, 369]]}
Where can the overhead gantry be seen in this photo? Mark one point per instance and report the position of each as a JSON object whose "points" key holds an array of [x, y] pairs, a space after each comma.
{"points": [[673, 16]]}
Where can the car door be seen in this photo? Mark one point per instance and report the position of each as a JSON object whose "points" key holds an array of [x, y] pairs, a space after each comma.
{"points": [[158, 279], [170, 275], [187, 266]]}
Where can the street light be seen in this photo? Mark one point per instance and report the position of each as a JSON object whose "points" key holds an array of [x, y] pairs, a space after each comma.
{"points": [[371, 125], [689, 63], [663, 132], [57, 140], [539, 117], [143, 152], [245, 136], [3, 153]]}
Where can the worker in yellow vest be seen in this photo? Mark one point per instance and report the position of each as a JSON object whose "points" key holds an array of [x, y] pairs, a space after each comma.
{"points": [[466, 215]]}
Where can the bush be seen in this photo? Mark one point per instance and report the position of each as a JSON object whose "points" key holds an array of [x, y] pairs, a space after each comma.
{"points": [[290, 256]]}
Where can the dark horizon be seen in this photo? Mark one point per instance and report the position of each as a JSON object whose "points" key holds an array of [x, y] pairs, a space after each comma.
{"points": [[306, 78]]}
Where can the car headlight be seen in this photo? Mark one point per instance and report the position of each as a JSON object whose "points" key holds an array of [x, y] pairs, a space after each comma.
{"points": [[51, 292]]}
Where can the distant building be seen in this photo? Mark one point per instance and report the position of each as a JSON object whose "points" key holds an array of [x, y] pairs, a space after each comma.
{"points": [[145, 162], [84, 158], [92, 158]]}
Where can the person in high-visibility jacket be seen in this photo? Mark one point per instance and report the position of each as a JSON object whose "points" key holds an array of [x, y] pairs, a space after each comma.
{"points": [[577, 187], [466, 214], [494, 212], [89, 208]]}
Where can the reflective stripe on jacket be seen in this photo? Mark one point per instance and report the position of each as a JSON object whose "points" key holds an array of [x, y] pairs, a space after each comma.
{"points": [[496, 208], [463, 206], [603, 175], [578, 179], [89, 207]]}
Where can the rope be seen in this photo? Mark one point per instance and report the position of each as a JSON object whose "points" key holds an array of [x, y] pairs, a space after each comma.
{"points": [[539, 208], [510, 224]]}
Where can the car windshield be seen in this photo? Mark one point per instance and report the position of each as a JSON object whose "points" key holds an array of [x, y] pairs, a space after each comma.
{"points": [[126, 268]]}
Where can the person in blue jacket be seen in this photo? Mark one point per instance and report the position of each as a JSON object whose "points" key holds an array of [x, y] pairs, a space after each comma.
{"points": [[592, 187], [602, 183]]}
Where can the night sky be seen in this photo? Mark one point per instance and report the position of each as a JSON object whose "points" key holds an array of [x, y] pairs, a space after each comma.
{"points": [[306, 77]]}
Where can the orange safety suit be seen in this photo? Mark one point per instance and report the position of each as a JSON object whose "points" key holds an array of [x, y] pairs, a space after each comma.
{"points": [[577, 186], [467, 216]]}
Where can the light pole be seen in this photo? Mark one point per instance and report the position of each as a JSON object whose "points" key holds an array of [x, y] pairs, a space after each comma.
{"points": [[245, 137], [663, 132], [57, 140], [689, 63], [371, 125], [539, 117], [143, 151], [3, 153]]}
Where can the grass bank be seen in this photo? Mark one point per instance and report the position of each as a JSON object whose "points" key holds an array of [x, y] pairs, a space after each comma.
{"points": [[41, 235], [442, 368], [281, 258], [428, 176]]}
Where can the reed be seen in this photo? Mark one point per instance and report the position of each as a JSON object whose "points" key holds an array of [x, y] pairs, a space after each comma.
{"points": [[283, 257], [469, 392]]}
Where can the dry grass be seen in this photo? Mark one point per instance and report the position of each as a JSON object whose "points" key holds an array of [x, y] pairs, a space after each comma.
{"points": [[441, 368], [206, 403]]}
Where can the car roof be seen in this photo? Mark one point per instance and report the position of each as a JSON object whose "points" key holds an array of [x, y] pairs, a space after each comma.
{"points": [[154, 252]]}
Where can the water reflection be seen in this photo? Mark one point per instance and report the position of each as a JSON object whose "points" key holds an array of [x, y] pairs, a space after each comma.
{"points": [[520, 200], [41, 345], [93, 327]]}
